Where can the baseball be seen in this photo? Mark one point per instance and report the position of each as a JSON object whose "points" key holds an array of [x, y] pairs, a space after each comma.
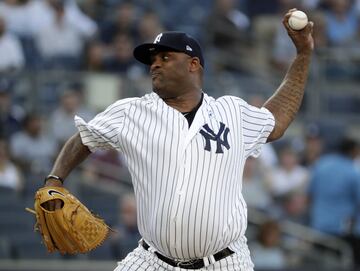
{"points": [[298, 20]]}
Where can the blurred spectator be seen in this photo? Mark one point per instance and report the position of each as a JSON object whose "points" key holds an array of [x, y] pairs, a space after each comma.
{"points": [[62, 39], [283, 51], [127, 236], [335, 194], [11, 54], [106, 166], [21, 19], [342, 32], [172, 15], [31, 148], [17, 15], [289, 176], [124, 22], [121, 59], [46, 12], [95, 9], [149, 26], [319, 34], [27, 18], [288, 183], [62, 119], [294, 207], [254, 189], [266, 252], [94, 56], [9, 175], [10, 115], [313, 147], [268, 156], [342, 23], [357, 6], [227, 34]]}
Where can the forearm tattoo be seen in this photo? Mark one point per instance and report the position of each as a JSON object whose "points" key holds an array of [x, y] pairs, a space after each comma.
{"points": [[286, 101]]}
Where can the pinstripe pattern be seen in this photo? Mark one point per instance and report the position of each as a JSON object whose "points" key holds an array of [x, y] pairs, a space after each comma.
{"points": [[142, 260], [189, 200]]}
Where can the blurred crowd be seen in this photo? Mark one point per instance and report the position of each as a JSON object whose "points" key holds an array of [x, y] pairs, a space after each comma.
{"points": [[312, 179], [315, 186], [238, 35]]}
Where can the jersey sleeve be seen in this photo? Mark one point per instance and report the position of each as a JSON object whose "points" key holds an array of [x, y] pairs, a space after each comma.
{"points": [[257, 124], [103, 130]]}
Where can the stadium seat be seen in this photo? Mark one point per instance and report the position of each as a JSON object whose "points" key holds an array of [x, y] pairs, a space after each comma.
{"points": [[30, 247], [4, 248]]}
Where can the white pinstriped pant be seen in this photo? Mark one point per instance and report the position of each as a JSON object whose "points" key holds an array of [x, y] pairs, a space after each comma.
{"points": [[143, 260]]}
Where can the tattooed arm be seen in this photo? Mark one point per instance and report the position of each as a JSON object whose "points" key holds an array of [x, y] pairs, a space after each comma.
{"points": [[71, 155], [285, 102]]}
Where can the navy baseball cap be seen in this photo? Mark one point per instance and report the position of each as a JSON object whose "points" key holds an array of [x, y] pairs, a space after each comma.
{"points": [[172, 41]]}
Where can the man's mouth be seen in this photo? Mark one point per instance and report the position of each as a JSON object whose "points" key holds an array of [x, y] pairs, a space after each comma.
{"points": [[154, 75]]}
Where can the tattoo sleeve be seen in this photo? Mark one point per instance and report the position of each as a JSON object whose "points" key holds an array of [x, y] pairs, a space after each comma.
{"points": [[71, 155], [285, 102]]}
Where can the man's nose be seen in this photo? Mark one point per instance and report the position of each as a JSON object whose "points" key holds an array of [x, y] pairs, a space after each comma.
{"points": [[155, 63]]}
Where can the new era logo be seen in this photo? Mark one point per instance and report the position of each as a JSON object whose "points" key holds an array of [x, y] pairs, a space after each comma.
{"points": [[188, 48]]}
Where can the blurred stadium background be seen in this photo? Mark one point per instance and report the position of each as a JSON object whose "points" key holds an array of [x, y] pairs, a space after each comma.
{"points": [[59, 58]]}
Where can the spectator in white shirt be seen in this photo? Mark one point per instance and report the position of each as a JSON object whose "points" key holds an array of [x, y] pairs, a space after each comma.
{"points": [[63, 36], [63, 116], [32, 149], [11, 54], [17, 16], [289, 176], [9, 174], [254, 189]]}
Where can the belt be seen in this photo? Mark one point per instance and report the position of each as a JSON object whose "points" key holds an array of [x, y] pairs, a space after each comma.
{"points": [[191, 264]]}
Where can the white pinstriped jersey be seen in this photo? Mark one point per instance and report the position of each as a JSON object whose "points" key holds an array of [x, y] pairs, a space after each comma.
{"points": [[187, 181]]}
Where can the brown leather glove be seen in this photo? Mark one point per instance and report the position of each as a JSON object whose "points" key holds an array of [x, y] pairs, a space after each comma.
{"points": [[70, 229]]}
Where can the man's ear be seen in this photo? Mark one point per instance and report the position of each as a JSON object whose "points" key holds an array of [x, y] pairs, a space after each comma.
{"points": [[194, 64]]}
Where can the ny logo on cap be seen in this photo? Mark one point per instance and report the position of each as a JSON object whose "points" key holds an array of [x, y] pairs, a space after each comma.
{"points": [[158, 38]]}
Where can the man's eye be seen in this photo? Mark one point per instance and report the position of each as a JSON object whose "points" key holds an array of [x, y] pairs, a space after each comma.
{"points": [[165, 58]]}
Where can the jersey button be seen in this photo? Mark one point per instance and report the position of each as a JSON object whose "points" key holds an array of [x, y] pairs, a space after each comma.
{"points": [[180, 192]]}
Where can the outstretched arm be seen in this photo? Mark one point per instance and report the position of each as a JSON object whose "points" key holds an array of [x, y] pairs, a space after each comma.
{"points": [[71, 155], [285, 102]]}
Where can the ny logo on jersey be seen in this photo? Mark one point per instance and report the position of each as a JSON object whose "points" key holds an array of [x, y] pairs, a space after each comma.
{"points": [[158, 38], [209, 135]]}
